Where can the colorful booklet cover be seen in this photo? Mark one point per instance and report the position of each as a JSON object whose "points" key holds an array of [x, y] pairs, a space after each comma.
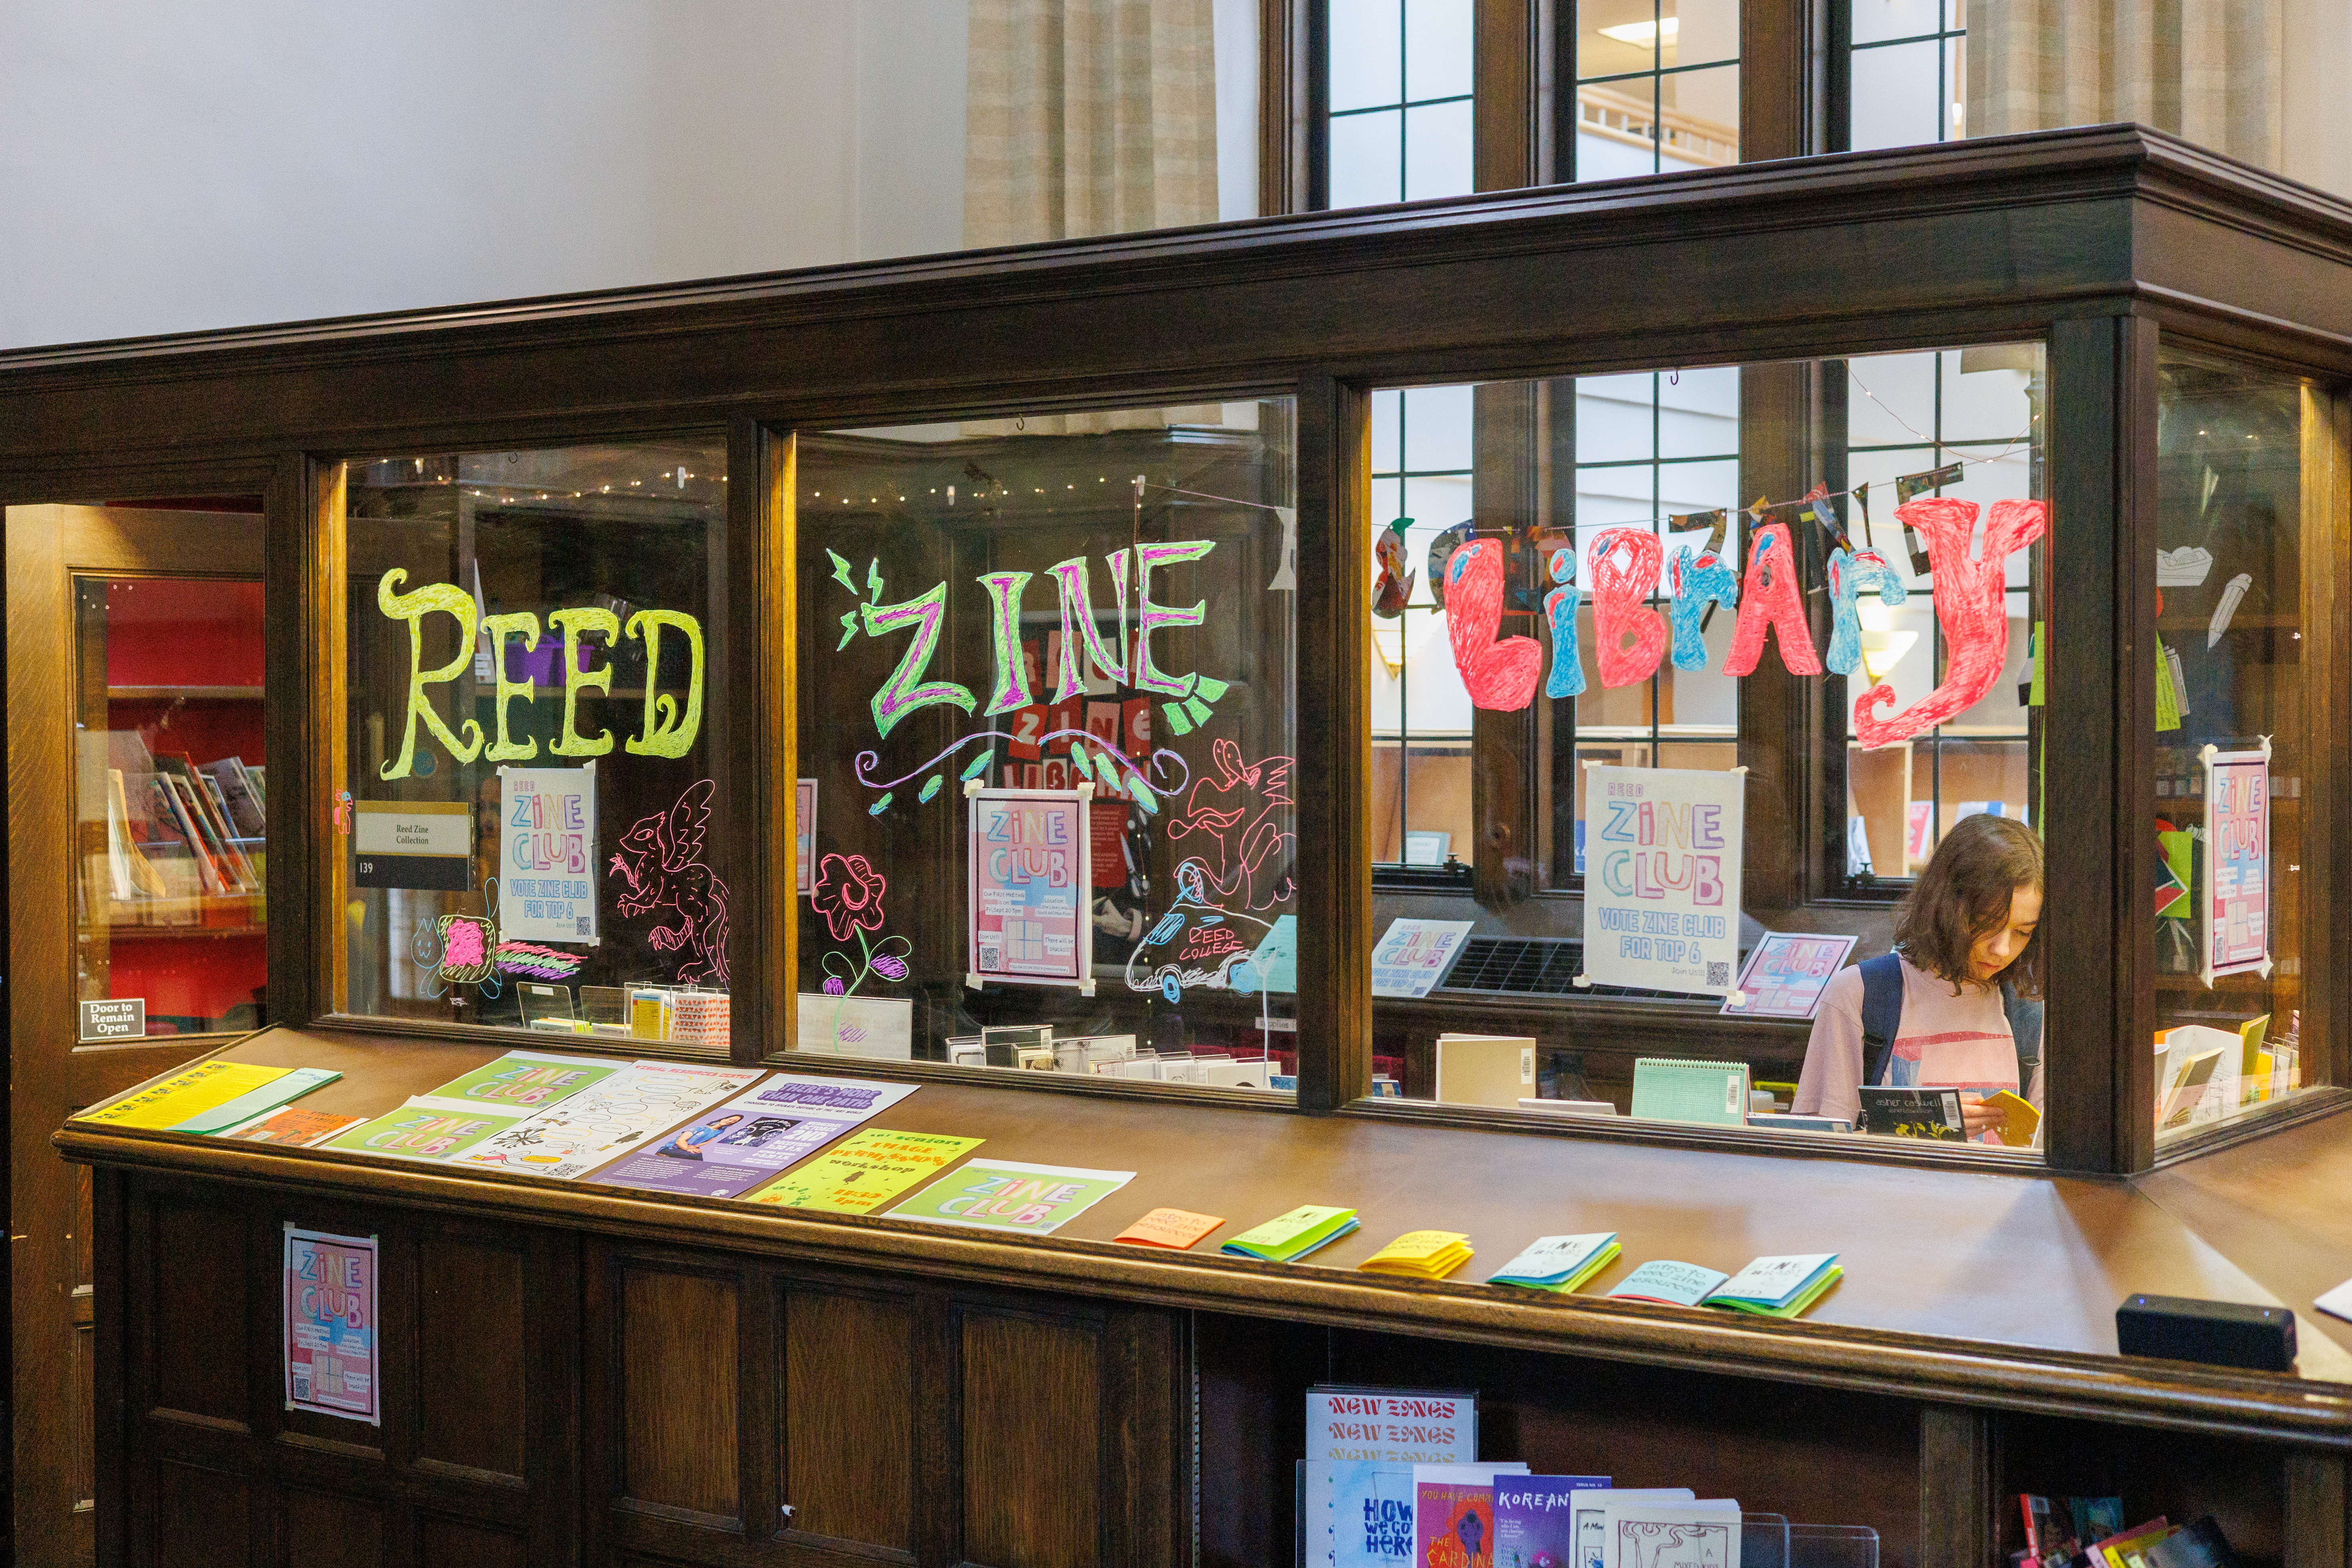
{"points": [[523, 1082], [732, 1148], [1285, 1238], [1454, 1513], [423, 1131], [1420, 1254], [1668, 1283], [170, 1101], [1533, 1521], [999, 1194], [293, 1126], [1778, 1287], [1588, 1510], [1642, 1534], [1175, 1229], [608, 1119], [259, 1101], [1356, 1514], [1560, 1263], [865, 1171]]}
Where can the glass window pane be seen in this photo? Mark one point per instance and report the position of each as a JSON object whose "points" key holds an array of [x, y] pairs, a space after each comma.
{"points": [[2231, 954], [1367, 159], [1436, 429], [1068, 646], [1367, 65], [1476, 742], [171, 773], [536, 698], [1897, 95], [1437, 48], [1876, 20], [1700, 32], [1437, 150], [1699, 110]]}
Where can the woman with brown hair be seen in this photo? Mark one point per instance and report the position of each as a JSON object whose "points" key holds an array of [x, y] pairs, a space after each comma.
{"points": [[1966, 944]]}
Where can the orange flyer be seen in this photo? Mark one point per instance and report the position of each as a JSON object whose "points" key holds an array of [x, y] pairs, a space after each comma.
{"points": [[1175, 1228]]}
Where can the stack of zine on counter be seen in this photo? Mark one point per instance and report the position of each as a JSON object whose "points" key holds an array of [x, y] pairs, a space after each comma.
{"points": [[1392, 1479]]}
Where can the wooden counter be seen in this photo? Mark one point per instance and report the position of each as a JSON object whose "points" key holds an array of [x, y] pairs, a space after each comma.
{"points": [[1969, 1292]]}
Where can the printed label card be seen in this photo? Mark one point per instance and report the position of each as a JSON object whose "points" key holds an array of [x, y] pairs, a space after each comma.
{"points": [[734, 1147], [577, 1135], [865, 1171], [999, 1194], [329, 1284]]}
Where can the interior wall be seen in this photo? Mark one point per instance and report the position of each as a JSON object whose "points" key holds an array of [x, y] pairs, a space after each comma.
{"points": [[172, 165]]}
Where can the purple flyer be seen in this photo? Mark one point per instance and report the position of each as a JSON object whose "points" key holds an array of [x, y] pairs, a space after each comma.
{"points": [[732, 1148], [1534, 1527]]}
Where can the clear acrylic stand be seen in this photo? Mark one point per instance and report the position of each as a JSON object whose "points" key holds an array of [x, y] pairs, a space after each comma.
{"points": [[1763, 1541], [1832, 1546]]}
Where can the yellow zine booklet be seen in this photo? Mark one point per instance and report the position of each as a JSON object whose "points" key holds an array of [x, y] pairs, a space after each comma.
{"points": [[1420, 1254], [184, 1094]]}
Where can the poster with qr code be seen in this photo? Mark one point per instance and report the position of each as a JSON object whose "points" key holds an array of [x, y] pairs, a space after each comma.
{"points": [[330, 1326], [2237, 884], [547, 855], [1029, 915], [1661, 877]]}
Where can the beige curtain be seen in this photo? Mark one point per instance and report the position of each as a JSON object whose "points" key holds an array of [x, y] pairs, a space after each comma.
{"points": [[2210, 70], [1088, 117]]}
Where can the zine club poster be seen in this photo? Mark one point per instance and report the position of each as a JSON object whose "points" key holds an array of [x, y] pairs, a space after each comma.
{"points": [[1661, 877], [330, 1324], [999, 1194], [1786, 975], [1414, 954], [2238, 862], [1032, 889], [547, 857]]}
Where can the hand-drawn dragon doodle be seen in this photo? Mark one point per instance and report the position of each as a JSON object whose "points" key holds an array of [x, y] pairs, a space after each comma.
{"points": [[660, 860]]}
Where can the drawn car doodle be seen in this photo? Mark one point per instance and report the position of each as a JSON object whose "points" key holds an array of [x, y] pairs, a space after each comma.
{"points": [[1236, 829], [847, 896], [1195, 944], [660, 860]]}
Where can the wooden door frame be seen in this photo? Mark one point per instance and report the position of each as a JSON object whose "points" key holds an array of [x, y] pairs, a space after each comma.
{"points": [[47, 547]]}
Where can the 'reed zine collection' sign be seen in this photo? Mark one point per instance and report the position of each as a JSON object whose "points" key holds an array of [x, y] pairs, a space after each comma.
{"points": [[1661, 849], [1029, 918]]}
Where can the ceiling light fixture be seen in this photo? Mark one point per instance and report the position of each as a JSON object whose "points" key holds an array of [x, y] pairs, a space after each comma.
{"points": [[1644, 34]]}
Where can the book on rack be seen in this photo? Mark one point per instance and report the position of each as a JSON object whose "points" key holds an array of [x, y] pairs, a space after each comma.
{"points": [[2198, 1545], [1703, 1533], [1454, 1513], [1587, 1509], [2128, 1548], [1534, 1519], [1559, 1263], [1705, 1093], [239, 796]]}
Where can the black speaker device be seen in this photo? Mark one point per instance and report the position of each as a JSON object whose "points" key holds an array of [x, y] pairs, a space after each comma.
{"points": [[2223, 1333]]}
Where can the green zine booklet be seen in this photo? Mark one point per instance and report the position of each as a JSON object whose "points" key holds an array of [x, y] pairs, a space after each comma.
{"points": [[1006, 1195], [423, 1129], [1289, 1238], [523, 1083]]}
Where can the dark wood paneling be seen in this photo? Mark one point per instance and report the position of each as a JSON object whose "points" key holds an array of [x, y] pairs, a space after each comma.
{"points": [[1783, 79], [1781, 713], [1033, 1425], [680, 1395], [850, 1405], [456, 1543], [761, 648], [2316, 1530], [469, 1336], [1284, 128], [316, 1529], [1506, 118], [1254, 1377], [2099, 782], [1958, 1488], [1335, 742], [202, 1276], [198, 1519]]}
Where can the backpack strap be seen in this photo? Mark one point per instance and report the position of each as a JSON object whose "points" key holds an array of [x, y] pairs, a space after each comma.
{"points": [[2024, 1026], [1882, 1012]]}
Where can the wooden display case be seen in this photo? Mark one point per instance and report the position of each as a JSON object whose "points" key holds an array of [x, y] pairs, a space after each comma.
{"points": [[577, 1375]]}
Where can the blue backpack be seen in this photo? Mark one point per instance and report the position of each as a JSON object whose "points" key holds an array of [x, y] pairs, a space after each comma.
{"points": [[1882, 1020]]}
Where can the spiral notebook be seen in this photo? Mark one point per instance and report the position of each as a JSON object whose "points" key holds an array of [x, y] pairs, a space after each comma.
{"points": [[1712, 1094]]}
